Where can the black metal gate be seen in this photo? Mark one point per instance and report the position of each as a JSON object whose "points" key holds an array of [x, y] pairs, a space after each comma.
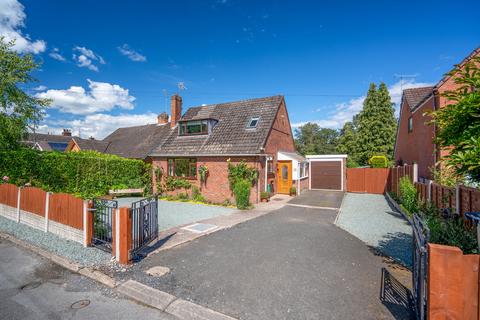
{"points": [[144, 222], [103, 223], [421, 236]]}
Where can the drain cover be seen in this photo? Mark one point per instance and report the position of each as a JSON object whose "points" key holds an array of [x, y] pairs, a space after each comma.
{"points": [[80, 304], [31, 285], [200, 227]]}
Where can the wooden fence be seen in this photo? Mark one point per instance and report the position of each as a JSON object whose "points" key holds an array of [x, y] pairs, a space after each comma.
{"points": [[377, 180]]}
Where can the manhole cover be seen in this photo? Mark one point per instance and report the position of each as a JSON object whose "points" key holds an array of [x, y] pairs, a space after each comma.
{"points": [[200, 227], [277, 199], [80, 304], [31, 285]]}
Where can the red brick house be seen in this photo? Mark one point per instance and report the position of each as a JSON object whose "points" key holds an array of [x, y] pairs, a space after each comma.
{"points": [[415, 137], [256, 131]]}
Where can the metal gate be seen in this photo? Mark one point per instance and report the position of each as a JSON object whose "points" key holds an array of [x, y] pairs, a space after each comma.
{"points": [[102, 223], [144, 222], [421, 236]]}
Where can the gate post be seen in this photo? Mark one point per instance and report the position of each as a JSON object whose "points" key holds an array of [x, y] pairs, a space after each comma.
{"points": [[123, 235], [87, 223]]}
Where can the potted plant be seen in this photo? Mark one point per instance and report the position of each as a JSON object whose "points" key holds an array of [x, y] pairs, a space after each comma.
{"points": [[293, 191], [264, 196]]}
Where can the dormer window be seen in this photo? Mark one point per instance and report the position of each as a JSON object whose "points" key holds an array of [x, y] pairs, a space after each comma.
{"points": [[195, 127], [252, 123]]}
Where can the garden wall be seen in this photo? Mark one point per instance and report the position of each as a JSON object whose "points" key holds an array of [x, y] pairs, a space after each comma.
{"points": [[60, 214]]}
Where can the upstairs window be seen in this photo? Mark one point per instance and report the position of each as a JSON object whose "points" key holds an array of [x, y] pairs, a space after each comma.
{"points": [[193, 127], [410, 124], [252, 123]]}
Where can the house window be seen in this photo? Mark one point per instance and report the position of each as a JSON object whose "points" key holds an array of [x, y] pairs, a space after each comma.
{"points": [[303, 170], [182, 167], [193, 127], [270, 166], [253, 122], [410, 124]]}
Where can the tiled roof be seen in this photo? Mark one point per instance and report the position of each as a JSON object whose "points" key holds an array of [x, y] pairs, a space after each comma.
{"points": [[230, 135], [136, 142], [416, 96], [47, 142], [474, 53], [90, 144]]}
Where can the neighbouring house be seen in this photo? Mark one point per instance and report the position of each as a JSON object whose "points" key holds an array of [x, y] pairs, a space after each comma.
{"points": [[415, 136], [48, 142]]}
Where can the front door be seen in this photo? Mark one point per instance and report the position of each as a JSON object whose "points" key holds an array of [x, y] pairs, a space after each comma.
{"points": [[284, 176]]}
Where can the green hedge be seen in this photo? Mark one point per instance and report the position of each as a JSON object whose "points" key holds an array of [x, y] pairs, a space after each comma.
{"points": [[241, 190], [378, 162], [86, 174]]}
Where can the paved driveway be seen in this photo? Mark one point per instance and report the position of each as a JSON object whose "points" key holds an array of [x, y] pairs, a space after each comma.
{"points": [[316, 198], [290, 264]]}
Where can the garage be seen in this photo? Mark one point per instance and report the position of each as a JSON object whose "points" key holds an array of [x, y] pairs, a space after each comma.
{"points": [[327, 171]]}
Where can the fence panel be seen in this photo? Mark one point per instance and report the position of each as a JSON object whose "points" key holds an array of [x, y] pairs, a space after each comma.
{"points": [[66, 209], [33, 200], [376, 180], [8, 194], [422, 189], [355, 180], [443, 197], [469, 200]]}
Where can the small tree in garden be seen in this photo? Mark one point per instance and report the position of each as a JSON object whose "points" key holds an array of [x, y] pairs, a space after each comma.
{"points": [[241, 178], [458, 124], [18, 109], [408, 195]]}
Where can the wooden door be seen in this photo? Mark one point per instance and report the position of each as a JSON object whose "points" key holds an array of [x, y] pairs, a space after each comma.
{"points": [[284, 176]]}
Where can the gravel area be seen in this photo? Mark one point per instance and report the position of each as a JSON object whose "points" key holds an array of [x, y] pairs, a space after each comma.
{"points": [[172, 214], [370, 218], [69, 249]]}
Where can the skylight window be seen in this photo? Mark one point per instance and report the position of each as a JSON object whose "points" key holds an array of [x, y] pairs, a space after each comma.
{"points": [[253, 122]]}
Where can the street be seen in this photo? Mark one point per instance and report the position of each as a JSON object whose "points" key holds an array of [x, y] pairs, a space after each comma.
{"points": [[31, 287]]}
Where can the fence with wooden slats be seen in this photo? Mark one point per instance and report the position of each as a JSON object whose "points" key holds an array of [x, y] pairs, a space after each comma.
{"points": [[9, 194], [66, 209], [367, 180], [33, 200]]}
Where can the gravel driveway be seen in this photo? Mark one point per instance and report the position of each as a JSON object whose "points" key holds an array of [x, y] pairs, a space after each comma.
{"points": [[173, 214], [370, 218]]}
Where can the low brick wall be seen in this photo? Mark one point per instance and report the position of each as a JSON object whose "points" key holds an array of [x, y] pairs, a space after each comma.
{"points": [[304, 185]]}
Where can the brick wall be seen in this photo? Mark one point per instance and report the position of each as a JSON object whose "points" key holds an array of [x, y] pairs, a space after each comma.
{"points": [[417, 145], [217, 188], [279, 139]]}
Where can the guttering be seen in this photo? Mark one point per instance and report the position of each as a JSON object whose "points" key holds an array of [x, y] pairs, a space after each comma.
{"points": [[326, 156], [163, 155]]}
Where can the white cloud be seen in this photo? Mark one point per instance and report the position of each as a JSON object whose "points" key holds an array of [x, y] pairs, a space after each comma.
{"points": [[131, 54], [97, 125], [12, 20], [102, 96], [55, 54], [345, 111], [40, 88], [85, 58]]}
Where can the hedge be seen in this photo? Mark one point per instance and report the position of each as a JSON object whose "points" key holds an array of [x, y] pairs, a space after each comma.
{"points": [[86, 174], [378, 162]]}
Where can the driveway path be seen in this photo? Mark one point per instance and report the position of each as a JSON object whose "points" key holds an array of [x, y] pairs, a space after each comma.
{"points": [[33, 288], [290, 264]]}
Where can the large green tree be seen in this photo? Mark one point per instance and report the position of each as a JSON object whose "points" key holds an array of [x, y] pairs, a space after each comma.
{"points": [[18, 109], [312, 139], [376, 126], [458, 123], [347, 142]]}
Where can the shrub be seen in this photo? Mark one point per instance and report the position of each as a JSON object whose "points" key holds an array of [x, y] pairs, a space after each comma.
{"points": [[197, 196], [172, 183], [408, 195], [264, 195], [241, 189], [378, 162], [293, 190], [241, 171], [182, 196], [86, 174]]}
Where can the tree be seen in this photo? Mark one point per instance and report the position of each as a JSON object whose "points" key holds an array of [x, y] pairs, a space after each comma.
{"points": [[311, 139], [376, 125], [18, 109], [347, 143], [458, 123]]}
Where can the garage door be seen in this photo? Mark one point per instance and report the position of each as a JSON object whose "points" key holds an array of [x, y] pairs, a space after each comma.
{"points": [[326, 175]]}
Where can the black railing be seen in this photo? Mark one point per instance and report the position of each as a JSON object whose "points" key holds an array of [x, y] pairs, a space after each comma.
{"points": [[421, 236], [144, 222], [103, 211]]}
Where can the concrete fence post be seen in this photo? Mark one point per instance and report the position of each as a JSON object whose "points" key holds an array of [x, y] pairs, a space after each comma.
{"points": [[18, 203], [123, 235], [47, 205], [87, 240], [429, 191], [415, 172]]}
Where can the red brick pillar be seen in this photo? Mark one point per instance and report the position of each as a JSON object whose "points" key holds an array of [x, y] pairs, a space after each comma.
{"points": [[452, 283], [122, 235]]}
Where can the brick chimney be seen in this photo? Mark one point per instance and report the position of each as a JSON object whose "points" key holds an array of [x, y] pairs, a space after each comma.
{"points": [[67, 133], [162, 118], [176, 109]]}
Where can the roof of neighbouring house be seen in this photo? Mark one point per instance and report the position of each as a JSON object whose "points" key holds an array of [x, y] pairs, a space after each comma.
{"points": [[91, 144], [136, 142], [230, 135], [474, 53], [416, 96], [47, 142]]}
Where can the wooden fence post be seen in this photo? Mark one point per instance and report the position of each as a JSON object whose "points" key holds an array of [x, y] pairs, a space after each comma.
{"points": [[47, 203], [458, 199], [429, 191], [18, 203], [123, 235]]}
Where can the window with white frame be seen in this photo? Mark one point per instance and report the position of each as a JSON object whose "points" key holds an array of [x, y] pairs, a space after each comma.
{"points": [[303, 170]]}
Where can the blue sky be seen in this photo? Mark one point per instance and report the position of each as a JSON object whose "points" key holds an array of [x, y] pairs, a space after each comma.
{"points": [[107, 64]]}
